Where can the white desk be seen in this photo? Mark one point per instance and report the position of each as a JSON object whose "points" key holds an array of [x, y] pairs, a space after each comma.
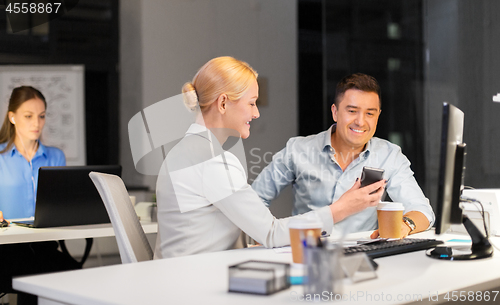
{"points": [[202, 279], [18, 234]]}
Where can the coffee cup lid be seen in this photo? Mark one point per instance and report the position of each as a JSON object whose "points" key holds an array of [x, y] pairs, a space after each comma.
{"points": [[311, 221], [390, 206]]}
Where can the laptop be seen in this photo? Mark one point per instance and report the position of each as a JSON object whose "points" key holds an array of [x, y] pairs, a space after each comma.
{"points": [[66, 196]]}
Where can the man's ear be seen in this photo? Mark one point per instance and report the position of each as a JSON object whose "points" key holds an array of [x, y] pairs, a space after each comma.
{"points": [[334, 112], [222, 103]]}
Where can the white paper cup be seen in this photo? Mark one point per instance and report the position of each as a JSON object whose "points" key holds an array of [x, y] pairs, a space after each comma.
{"points": [[298, 232], [390, 219]]}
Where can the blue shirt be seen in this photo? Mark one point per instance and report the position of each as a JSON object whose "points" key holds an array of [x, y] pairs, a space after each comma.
{"points": [[308, 163], [19, 181]]}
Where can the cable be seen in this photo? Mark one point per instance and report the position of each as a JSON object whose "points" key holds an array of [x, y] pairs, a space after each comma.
{"points": [[472, 200], [475, 201]]}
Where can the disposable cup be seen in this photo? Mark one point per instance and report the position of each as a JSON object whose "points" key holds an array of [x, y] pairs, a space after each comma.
{"points": [[390, 218], [299, 229]]}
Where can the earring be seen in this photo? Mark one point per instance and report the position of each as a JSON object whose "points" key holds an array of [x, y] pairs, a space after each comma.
{"points": [[13, 122]]}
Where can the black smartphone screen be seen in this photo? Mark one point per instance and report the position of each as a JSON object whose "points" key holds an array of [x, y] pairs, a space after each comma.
{"points": [[371, 175]]}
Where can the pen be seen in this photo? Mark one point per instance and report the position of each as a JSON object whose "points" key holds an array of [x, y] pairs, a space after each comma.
{"points": [[311, 241]]}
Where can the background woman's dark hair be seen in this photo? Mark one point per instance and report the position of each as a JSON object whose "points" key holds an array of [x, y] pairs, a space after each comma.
{"points": [[17, 98], [357, 81]]}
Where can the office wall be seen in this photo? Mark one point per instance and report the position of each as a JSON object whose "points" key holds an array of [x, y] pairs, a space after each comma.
{"points": [[131, 88], [163, 43]]}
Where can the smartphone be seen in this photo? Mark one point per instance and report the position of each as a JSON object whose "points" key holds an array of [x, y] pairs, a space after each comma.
{"points": [[371, 175]]}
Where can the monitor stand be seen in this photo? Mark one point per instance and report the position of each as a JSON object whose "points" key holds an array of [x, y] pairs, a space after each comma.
{"points": [[481, 247]]}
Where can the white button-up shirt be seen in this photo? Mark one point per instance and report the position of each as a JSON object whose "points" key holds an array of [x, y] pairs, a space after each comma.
{"points": [[204, 200]]}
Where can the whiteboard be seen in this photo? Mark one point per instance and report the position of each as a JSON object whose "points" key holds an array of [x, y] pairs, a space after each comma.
{"points": [[63, 88]]}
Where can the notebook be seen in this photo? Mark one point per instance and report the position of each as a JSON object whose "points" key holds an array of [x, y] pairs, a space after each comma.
{"points": [[66, 196]]}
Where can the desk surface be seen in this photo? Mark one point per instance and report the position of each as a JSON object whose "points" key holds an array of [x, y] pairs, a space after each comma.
{"points": [[18, 234], [197, 279]]}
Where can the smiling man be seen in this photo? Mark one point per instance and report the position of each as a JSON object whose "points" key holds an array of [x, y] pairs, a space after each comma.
{"points": [[325, 166]]}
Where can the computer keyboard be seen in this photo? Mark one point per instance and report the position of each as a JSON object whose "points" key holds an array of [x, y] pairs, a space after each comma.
{"points": [[392, 247]]}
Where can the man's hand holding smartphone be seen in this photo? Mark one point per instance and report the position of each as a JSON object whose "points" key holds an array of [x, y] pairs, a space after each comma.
{"points": [[359, 197], [371, 175]]}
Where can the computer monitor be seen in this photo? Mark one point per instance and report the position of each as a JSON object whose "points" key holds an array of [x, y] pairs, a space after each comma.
{"points": [[450, 186], [451, 169]]}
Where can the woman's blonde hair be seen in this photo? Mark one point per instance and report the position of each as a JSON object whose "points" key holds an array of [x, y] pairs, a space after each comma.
{"points": [[221, 75]]}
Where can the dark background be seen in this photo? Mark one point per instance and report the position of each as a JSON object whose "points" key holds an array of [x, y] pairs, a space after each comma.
{"points": [[86, 35], [379, 38]]}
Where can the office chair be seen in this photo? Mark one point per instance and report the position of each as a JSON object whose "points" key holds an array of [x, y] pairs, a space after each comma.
{"points": [[132, 242]]}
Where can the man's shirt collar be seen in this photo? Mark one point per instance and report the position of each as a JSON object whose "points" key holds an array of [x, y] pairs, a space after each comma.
{"points": [[327, 143]]}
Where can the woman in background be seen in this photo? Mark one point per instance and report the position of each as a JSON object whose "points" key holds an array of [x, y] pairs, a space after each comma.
{"points": [[21, 155]]}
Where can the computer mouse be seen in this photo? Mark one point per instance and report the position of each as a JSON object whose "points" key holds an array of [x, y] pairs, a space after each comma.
{"points": [[4, 223]]}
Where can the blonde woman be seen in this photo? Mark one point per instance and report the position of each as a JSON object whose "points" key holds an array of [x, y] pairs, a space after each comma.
{"points": [[203, 197]]}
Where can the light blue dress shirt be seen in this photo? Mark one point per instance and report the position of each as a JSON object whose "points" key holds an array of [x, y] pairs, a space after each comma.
{"points": [[19, 181], [317, 180]]}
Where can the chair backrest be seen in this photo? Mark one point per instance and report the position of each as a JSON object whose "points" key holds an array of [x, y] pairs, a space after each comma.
{"points": [[132, 242]]}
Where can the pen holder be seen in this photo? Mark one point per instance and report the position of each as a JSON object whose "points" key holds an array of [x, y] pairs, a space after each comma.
{"points": [[322, 270]]}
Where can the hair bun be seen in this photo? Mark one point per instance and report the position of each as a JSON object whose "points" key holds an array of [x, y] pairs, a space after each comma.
{"points": [[190, 97]]}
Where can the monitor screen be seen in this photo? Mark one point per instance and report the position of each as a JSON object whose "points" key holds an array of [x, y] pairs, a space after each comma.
{"points": [[451, 169], [451, 181]]}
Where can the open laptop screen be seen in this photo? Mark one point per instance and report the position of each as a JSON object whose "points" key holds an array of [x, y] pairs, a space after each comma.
{"points": [[66, 196]]}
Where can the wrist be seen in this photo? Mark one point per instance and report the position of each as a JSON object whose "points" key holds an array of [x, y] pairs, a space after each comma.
{"points": [[337, 213]]}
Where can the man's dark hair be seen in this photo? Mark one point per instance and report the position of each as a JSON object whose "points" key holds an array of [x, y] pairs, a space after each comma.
{"points": [[357, 81]]}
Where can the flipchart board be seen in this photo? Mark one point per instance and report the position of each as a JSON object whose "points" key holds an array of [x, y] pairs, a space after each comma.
{"points": [[63, 88]]}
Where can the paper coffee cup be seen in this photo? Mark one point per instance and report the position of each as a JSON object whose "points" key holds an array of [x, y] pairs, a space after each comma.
{"points": [[298, 232], [390, 218]]}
